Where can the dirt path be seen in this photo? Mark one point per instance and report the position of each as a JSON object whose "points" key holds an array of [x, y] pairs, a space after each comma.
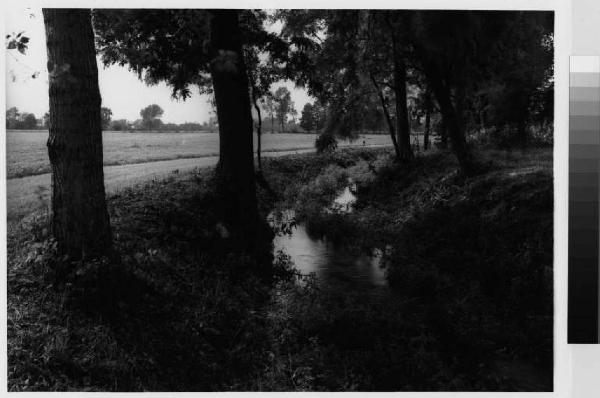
{"points": [[27, 194]]}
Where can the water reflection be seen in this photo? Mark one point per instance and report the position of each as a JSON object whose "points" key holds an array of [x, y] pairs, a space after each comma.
{"points": [[331, 263]]}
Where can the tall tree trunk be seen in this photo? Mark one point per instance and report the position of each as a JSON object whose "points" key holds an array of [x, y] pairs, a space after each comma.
{"points": [[272, 124], [399, 75], [402, 127], [260, 178], [450, 115], [258, 131], [452, 125], [259, 120], [387, 117], [235, 170], [80, 221]]}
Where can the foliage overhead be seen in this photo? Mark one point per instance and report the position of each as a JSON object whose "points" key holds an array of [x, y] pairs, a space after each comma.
{"points": [[173, 45], [169, 45], [497, 66]]}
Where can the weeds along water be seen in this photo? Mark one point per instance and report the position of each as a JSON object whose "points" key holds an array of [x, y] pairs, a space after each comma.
{"points": [[453, 266], [329, 262]]}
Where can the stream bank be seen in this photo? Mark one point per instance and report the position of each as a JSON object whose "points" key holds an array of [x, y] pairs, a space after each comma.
{"points": [[467, 295], [465, 291]]}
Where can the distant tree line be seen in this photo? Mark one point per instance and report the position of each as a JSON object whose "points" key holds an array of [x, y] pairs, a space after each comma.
{"points": [[17, 120], [277, 106], [151, 121]]}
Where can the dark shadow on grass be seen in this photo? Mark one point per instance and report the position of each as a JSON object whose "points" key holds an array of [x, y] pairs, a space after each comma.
{"points": [[179, 310]]}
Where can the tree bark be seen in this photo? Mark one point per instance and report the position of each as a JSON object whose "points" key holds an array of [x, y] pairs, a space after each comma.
{"points": [[399, 75], [387, 117], [452, 125], [402, 126], [235, 169], [80, 220]]}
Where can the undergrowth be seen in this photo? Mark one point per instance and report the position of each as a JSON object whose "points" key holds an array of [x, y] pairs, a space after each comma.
{"points": [[469, 270], [469, 296]]}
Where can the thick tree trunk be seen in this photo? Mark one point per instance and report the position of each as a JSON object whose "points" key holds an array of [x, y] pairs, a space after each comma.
{"points": [[402, 125], [388, 119], [235, 170], [453, 127], [80, 221]]}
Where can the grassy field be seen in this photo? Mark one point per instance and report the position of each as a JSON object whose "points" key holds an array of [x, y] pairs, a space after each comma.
{"points": [[470, 270], [27, 154]]}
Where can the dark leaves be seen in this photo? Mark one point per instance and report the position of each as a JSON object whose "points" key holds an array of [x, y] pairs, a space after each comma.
{"points": [[18, 42], [159, 45]]}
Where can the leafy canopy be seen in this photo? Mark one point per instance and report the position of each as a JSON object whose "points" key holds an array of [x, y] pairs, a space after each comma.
{"points": [[173, 45]]}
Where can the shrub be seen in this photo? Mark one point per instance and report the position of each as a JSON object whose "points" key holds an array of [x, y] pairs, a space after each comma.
{"points": [[325, 143]]}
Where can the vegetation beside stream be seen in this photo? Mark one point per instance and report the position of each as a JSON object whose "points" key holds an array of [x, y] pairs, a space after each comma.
{"points": [[469, 305]]}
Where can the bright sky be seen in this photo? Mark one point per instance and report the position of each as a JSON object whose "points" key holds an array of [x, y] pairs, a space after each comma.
{"points": [[121, 90]]}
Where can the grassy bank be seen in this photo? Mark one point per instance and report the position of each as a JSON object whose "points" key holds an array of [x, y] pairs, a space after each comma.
{"points": [[469, 266], [469, 305]]}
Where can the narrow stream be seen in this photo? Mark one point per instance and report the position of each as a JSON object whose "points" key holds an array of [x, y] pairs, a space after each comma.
{"points": [[330, 263]]}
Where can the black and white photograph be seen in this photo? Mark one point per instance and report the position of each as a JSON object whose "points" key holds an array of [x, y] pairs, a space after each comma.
{"points": [[279, 199]]}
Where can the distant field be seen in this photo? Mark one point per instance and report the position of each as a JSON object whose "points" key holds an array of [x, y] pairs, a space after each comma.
{"points": [[27, 154]]}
